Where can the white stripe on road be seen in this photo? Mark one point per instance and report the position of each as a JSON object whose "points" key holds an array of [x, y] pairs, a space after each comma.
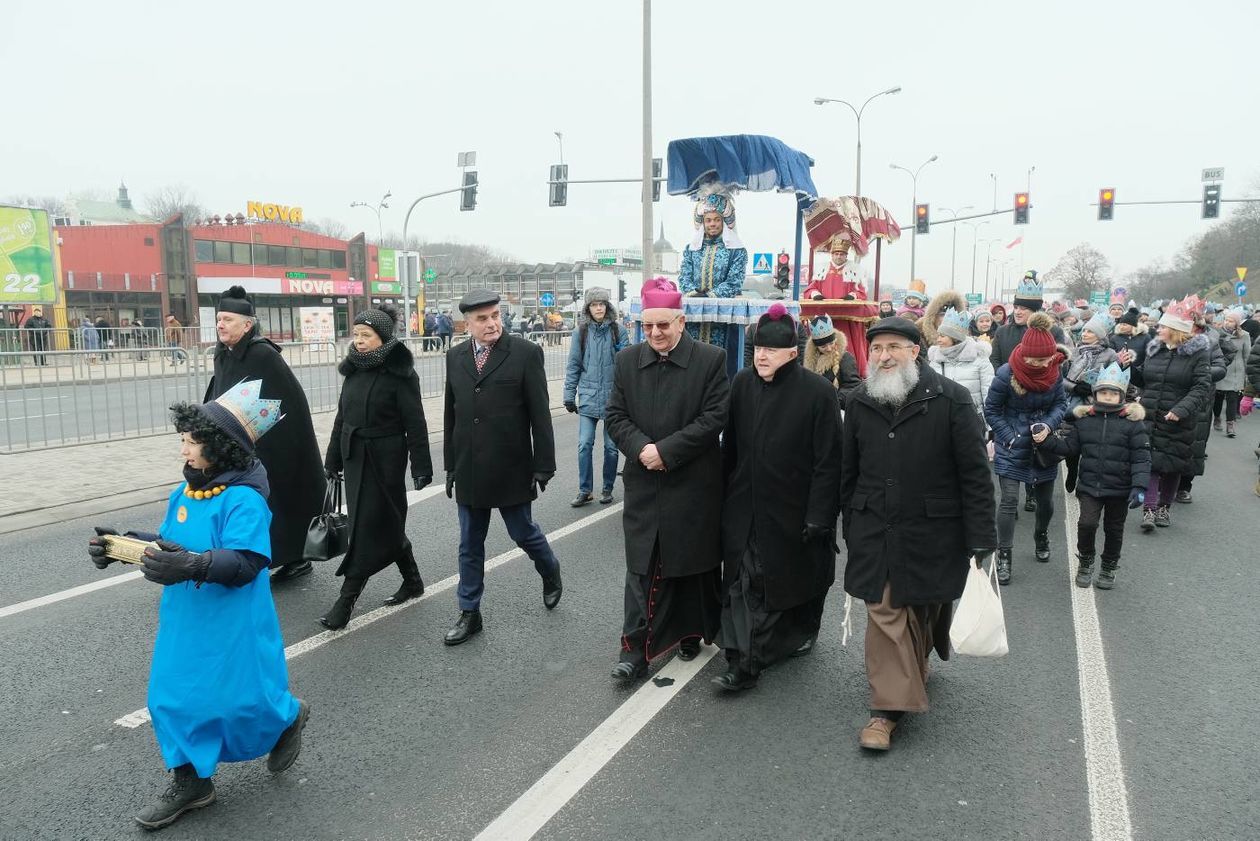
{"points": [[1104, 772], [533, 809], [53, 598], [139, 717]]}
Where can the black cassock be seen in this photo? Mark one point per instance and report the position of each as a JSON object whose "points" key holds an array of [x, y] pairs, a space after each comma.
{"points": [[783, 452], [289, 451]]}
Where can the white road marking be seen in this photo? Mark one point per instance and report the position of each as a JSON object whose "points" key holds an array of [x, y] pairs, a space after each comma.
{"points": [[139, 717], [1104, 771], [53, 598], [540, 803]]}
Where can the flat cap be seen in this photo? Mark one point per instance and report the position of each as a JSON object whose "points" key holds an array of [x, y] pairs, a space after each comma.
{"points": [[478, 298], [894, 324]]}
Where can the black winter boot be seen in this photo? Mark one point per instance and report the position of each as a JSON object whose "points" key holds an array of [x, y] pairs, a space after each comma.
{"points": [[1085, 571], [1004, 566], [186, 792], [1041, 542], [412, 584], [339, 616], [1107, 574]]}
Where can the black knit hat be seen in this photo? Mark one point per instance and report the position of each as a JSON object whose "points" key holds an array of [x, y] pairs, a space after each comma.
{"points": [[1130, 318], [775, 328], [236, 300], [381, 320]]}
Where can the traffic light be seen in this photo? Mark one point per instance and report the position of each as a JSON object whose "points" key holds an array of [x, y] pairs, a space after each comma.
{"points": [[468, 196], [921, 222], [658, 167], [783, 271], [1211, 201], [1021, 208], [1106, 203], [559, 186]]}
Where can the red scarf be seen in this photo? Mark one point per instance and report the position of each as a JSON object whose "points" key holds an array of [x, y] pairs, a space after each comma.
{"points": [[1036, 379]]}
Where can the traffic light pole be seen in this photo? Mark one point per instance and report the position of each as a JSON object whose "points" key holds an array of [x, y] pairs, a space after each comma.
{"points": [[646, 231], [406, 221]]}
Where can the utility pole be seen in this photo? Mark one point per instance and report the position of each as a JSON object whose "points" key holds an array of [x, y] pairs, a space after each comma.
{"points": [[647, 141]]}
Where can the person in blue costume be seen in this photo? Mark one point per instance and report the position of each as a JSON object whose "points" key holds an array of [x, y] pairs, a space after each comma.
{"points": [[218, 684], [714, 264]]}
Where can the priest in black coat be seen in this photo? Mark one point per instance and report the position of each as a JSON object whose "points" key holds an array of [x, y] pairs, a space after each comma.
{"points": [[666, 412], [782, 453], [291, 455]]}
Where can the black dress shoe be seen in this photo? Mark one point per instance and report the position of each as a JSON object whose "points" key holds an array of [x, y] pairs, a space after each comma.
{"points": [[553, 588], [605, 498], [408, 591], [627, 672], [807, 647], [288, 572], [688, 649], [735, 680], [582, 499], [469, 623]]}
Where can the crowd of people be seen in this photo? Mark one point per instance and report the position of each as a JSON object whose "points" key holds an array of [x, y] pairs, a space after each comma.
{"points": [[898, 467]]}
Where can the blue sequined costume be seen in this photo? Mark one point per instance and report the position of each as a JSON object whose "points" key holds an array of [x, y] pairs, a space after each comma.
{"points": [[717, 270]]}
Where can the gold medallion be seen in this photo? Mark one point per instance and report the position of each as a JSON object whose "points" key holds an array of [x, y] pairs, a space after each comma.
{"points": [[181, 514]]}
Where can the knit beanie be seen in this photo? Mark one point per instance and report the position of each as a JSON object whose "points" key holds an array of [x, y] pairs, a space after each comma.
{"points": [[775, 328], [1038, 342], [1130, 318], [1100, 326], [380, 321]]}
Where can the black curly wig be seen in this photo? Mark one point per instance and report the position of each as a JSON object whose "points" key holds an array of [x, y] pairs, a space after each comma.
{"points": [[217, 447]]}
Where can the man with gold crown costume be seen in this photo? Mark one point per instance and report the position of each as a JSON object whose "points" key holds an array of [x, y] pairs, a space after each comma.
{"points": [[715, 262], [840, 283]]}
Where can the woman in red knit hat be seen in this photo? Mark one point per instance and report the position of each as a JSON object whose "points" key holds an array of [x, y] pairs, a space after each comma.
{"points": [[1026, 399]]}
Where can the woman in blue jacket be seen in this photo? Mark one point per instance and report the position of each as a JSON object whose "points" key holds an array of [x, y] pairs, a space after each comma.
{"points": [[1025, 393], [588, 379]]}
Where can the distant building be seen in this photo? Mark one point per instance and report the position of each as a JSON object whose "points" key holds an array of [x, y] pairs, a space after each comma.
{"points": [[665, 257], [81, 211]]}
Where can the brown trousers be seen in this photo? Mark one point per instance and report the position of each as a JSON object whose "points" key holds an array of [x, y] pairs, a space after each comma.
{"points": [[898, 642]]}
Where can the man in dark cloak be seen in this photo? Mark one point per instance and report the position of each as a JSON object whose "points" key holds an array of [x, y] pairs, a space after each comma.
{"points": [[295, 468], [782, 454], [666, 412]]}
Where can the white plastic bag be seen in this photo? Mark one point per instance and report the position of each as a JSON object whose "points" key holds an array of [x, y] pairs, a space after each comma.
{"points": [[979, 628]]}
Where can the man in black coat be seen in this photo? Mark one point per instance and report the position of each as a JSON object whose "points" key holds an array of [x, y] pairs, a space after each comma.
{"points": [[666, 412], [916, 498], [781, 451], [291, 455], [499, 450], [38, 329]]}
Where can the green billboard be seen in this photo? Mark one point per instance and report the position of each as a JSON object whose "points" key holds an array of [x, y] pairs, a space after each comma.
{"points": [[26, 260], [386, 264]]}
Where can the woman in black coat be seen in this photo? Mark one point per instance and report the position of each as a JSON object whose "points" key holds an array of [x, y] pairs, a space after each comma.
{"points": [[1221, 350], [1176, 381], [380, 422]]}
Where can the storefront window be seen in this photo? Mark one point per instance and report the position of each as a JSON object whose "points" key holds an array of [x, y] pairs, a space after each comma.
{"points": [[205, 250]]}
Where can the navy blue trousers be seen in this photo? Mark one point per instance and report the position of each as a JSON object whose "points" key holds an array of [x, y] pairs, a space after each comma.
{"points": [[473, 525]]}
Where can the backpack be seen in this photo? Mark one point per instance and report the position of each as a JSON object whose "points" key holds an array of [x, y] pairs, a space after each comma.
{"points": [[582, 337]]}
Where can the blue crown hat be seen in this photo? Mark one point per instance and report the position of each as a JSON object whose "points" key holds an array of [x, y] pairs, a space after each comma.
{"points": [[1113, 376], [956, 324], [1029, 292], [243, 413], [821, 330]]}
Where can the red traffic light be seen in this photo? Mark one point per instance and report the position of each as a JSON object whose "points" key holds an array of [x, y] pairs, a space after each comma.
{"points": [[784, 259], [1021, 199]]}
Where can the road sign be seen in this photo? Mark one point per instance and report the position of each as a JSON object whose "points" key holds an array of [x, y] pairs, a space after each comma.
{"points": [[974, 299], [1241, 271], [1240, 289], [1121, 292], [763, 262], [1098, 299], [1214, 174], [430, 275], [547, 299], [608, 261]]}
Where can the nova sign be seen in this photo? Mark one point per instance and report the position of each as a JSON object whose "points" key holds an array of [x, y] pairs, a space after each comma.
{"points": [[273, 212], [307, 286]]}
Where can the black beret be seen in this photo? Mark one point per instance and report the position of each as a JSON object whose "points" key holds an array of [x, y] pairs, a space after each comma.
{"points": [[894, 324], [478, 298]]}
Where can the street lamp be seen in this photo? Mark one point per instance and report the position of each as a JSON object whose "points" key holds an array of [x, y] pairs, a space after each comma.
{"points": [[381, 205], [988, 261], [857, 112], [993, 175], [560, 140], [914, 200], [975, 233], [953, 252]]}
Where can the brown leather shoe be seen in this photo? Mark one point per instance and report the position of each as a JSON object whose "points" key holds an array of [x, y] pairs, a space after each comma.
{"points": [[877, 734]]}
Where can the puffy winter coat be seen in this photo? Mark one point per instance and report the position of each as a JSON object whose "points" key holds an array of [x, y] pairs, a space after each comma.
{"points": [[1253, 367], [970, 368], [1010, 411], [839, 369], [588, 376], [1177, 381], [1222, 351], [1236, 372], [1113, 446], [1136, 342]]}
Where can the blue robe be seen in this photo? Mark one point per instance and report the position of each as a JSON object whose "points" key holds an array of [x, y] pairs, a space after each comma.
{"points": [[219, 686], [717, 270]]}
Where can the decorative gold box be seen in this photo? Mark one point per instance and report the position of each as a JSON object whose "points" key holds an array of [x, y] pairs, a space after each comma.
{"points": [[129, 550]]}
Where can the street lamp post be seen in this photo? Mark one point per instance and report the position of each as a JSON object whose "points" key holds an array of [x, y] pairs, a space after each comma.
{"points": [[953, 251], [975, 233], [646, 220], [988, 261], [914, 201], [857, 112], [993, 175], [381, 205], [406, 221]]}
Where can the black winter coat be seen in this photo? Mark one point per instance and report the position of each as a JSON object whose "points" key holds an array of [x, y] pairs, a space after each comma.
{"points": [[289, 451], [497, 424], [1253, 367], [916, 494], [782, 455], [1136, 342], [1222, 351], [1113, 447], [379, 423], [1009, 336], [680, 405], [1177, 381]]}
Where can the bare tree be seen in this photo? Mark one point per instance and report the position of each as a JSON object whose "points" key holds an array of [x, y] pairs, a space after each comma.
{"points": [[1082, 270], [52, 204], [172, 199], [329, 227]]}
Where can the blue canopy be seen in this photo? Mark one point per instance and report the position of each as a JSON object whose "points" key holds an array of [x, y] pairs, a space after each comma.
{"points": [[745, 161]]}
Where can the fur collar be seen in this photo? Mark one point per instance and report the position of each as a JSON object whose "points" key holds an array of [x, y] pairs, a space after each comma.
{"points": [[816, 362], [399, 362], [1192, 346], [1132, 411]]}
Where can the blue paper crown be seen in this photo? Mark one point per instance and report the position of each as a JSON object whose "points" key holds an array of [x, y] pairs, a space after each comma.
{"points": [[821, 327], [1028, 288], [1113, 376], [959, 318], [256, 415]]}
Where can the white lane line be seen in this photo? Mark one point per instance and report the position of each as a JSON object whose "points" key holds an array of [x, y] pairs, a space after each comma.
{"points": [[533, 809], [141, 716], [82, 589], [1104, 771]]}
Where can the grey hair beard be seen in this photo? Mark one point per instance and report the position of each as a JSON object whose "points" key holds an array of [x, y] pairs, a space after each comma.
{"points": [[892, 387]]}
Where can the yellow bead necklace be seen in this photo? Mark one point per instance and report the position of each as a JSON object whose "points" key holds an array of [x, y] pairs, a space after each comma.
{"points": [[204, 494]]}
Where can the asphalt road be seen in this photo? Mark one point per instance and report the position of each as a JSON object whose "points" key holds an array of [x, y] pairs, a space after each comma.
{"points": [[410, 739]]}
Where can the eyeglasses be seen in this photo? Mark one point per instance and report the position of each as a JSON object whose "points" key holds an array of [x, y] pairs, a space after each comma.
{"points": [[880, 350], [659, 326]]}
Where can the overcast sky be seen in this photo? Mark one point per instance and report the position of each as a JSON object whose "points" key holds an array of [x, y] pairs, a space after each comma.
{"points": [[320, 104]]}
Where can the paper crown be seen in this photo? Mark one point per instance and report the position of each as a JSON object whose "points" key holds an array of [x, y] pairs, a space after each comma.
{"points": [[1029, 287], [1117, 298], [821, 327], [1181, 315], [1113, 376], [918, 289], [957, 318], [243, 412]]}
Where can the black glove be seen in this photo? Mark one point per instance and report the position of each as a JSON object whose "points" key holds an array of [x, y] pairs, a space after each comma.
{"points": [[172, 564], [570, 407], [542, 479], [981, 555], [814, 532], [96, 547], [450, 484], [1137, 496], [421, 482]]}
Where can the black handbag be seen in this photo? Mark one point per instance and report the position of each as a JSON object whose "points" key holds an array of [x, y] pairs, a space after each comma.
{"points": [[1045, 459], [328, 535]]}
